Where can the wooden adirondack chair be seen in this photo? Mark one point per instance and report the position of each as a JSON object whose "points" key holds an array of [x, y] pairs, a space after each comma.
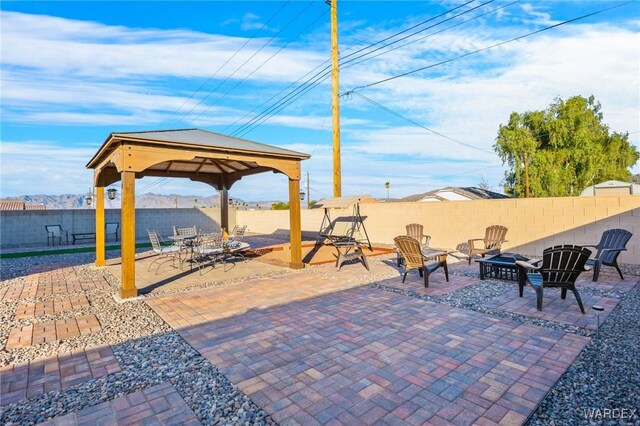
{"points": [[416, 231], [560, 268], [613, 241], [411, 251], [492, 241]]}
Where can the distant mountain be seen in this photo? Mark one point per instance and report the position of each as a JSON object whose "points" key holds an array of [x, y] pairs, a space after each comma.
{"points": [[143, 201]]}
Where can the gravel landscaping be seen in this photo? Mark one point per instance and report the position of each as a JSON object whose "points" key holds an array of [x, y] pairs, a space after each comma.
{"points": [[606, 375]]}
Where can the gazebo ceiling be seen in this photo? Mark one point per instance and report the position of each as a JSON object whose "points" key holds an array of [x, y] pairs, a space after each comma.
{"points": [[196, 154]]}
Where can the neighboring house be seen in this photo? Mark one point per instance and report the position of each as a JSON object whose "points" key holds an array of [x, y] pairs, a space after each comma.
{"points": [[456, 194], [6, 205], [612, 187]]}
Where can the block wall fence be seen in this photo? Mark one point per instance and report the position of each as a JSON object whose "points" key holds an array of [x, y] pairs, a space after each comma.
{"points": [[534, 224], [27, 227]]}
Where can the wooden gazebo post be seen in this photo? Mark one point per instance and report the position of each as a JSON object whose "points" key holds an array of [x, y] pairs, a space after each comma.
{"points": [[295, 228], [100, 242], [128, 239]]}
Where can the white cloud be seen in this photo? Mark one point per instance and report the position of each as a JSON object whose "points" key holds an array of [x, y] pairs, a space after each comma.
{"points": [[37, 167]]}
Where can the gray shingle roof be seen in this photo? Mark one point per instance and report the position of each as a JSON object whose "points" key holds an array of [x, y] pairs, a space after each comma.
{"points": [[208, 139]]}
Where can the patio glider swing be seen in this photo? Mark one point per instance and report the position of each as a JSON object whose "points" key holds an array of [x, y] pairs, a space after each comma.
{"points": [[346, 233]]}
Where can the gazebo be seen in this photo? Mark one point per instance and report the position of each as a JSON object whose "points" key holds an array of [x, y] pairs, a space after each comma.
{"points": [[202, 156]]}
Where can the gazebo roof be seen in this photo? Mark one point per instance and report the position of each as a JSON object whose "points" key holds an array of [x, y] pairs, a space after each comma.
{"points": [[191, 153]]}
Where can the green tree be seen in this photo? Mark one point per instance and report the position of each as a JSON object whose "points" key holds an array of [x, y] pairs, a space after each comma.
{"points": [[387, 185], [562, 150], [280, 205]]}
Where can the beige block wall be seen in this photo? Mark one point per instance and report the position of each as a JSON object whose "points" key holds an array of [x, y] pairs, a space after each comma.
{"points": [[534, 224]]}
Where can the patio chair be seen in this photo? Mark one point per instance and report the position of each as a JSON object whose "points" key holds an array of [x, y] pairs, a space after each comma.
{"points": [[208, 247], [236, 236], [185, 232], [411, 251], [416, 231], [491, 243], [560, 268], [111, 228], [56, 231], [171, 252], [613, 241]]}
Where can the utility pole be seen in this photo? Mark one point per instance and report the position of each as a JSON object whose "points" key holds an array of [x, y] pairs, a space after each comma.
{"points": [[335, 99], [308, 193], [526, 176]]}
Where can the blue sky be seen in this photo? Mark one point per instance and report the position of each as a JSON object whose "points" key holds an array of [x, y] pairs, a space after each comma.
{"points": [[72, 72]]}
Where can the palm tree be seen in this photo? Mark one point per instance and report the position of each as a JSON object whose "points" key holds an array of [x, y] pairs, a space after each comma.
{"points": [[387, 185]]}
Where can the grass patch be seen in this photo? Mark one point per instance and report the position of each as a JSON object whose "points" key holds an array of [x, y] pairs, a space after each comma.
{"points": [[63, 251]]}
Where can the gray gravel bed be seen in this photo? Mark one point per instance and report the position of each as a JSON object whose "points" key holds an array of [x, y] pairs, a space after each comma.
{"points": [[147, 362], [606, 375]]}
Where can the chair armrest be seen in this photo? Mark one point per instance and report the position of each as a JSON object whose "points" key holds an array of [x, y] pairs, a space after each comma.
{"points": [[527, 265], [587, 267], [427, 238], [470, 242], [615, 249], [590, 245]]}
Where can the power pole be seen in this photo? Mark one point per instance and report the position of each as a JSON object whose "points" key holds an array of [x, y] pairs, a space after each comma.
{"points": [[526, 176], [335, 99]]}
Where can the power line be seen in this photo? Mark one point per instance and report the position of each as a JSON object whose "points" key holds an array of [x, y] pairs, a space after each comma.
{"points": [[246, 61], [390, 111], [261, 65], [321, 76], [434, 33], [491, 47], [315, 75], [227, 61]]}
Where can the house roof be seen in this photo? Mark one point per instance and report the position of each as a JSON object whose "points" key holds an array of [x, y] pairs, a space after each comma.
{"points": [[613, 185], [8, 205], [471, 192]]}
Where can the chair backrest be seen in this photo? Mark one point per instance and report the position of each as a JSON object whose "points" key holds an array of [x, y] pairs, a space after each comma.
{"points": [[612, 239], [238, 233], [494, 236], [155, 241], [54, 230], [415, 230], [185, 232], [562, 264], [111, 227], [410, 249], [209, 241]]}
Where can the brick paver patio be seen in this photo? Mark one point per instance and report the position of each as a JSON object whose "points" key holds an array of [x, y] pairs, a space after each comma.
{"points": [[48, 331], [59, 281], [156, 405], [554, 308], [318, 347], [37, 377], [438, 285], [365, 355]]}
